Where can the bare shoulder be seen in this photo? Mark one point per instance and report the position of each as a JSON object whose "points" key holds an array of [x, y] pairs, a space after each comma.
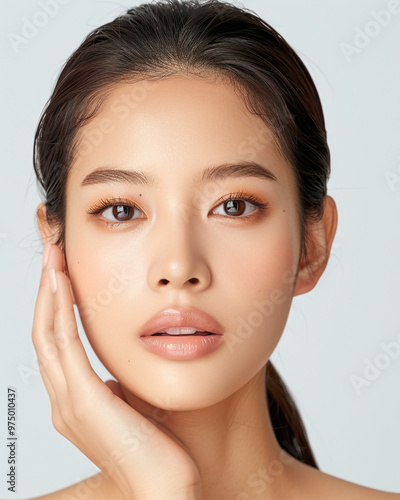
{"points": [[316, 485], [96, 487]]}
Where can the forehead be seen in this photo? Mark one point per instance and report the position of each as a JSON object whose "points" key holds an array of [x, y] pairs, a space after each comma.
{"points": [[178, 124]]}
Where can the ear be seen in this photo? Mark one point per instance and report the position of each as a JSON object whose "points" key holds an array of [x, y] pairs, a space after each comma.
{"points": [[49, 233], [318, 244]]}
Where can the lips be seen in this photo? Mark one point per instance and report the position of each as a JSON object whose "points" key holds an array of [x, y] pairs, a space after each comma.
{"points": [[182, 317], [183, 334]]}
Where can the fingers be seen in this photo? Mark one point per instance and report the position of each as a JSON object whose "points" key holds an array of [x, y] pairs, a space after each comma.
{"points": [[73, 359], [42, 330], [62, 359]]}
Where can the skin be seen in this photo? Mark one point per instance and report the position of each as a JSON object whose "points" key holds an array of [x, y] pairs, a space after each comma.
{"points": [[212, 409]]}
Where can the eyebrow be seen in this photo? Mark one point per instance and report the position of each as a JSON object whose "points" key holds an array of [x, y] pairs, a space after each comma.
{"points": [[219, 172]]}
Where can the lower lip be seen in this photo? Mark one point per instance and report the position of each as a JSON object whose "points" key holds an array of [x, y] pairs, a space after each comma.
{"points": [[183, 347]]}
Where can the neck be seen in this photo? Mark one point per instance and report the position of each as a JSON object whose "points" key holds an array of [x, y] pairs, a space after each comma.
{"points": [[232, 443]]}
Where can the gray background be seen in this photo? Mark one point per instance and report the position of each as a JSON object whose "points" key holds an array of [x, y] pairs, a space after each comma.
{"points": [[333, 332]]}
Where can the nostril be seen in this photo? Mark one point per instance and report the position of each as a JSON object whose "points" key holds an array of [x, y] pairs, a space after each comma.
{"points": [[192, 280]]}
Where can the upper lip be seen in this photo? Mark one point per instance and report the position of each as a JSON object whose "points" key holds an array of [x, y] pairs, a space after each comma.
{"points": [[179, 317]]}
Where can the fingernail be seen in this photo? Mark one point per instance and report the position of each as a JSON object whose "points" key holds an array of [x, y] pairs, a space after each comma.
{"points": [[46, 253], [53, 280]]}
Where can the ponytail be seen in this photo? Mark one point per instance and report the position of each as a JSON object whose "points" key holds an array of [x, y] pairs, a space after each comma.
{"points": [[285, 418]]}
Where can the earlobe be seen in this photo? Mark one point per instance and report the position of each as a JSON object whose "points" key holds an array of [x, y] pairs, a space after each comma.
{"points": [[319, 244]]}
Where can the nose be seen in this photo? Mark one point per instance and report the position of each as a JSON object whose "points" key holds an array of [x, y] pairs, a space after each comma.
{"points": [[178, 255]]}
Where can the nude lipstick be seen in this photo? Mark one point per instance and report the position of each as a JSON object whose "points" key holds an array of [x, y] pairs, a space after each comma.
{"points": [[182, 334]]}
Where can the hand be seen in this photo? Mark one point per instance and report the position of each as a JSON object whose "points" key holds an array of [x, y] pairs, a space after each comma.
{"points": [[93, 415]]}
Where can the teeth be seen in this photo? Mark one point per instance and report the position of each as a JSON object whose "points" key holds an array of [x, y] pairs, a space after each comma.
{"points": [[181, 331]]}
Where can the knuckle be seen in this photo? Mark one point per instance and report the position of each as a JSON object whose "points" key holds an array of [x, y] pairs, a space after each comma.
{"points": [[48, 353], [69, 421], [34, 338], [61, 339], [58, 422], [57, 307], [78, 412], [63, 336]]}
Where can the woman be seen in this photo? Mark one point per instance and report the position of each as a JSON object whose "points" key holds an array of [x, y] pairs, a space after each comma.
{"points": [[163, 126]]}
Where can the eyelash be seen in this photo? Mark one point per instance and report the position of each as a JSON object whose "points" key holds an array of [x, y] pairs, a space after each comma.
{"points": [[238, 196]]}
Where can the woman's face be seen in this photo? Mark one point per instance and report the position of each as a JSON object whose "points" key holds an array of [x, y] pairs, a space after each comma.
{"points": [[243, 258]]}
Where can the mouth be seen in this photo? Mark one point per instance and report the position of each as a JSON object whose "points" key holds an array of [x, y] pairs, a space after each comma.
{"points": [[202, 334], [184, 322], [182, 342], [182, 332]]}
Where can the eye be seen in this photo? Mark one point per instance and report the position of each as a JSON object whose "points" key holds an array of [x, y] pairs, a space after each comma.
{"points": [[116, 211], [235, 205], [120, 212]]}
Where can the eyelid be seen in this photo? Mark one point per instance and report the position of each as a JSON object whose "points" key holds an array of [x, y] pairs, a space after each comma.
{"points": [[243, 196], [102, 204]]}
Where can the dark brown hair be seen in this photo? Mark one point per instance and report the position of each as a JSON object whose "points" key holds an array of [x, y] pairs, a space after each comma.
{"points": [[155, 40]]}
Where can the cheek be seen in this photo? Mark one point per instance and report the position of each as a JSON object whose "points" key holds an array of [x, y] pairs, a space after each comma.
{"points": [[263, 261], [259, 290], [101, 268], [107, 281]]}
